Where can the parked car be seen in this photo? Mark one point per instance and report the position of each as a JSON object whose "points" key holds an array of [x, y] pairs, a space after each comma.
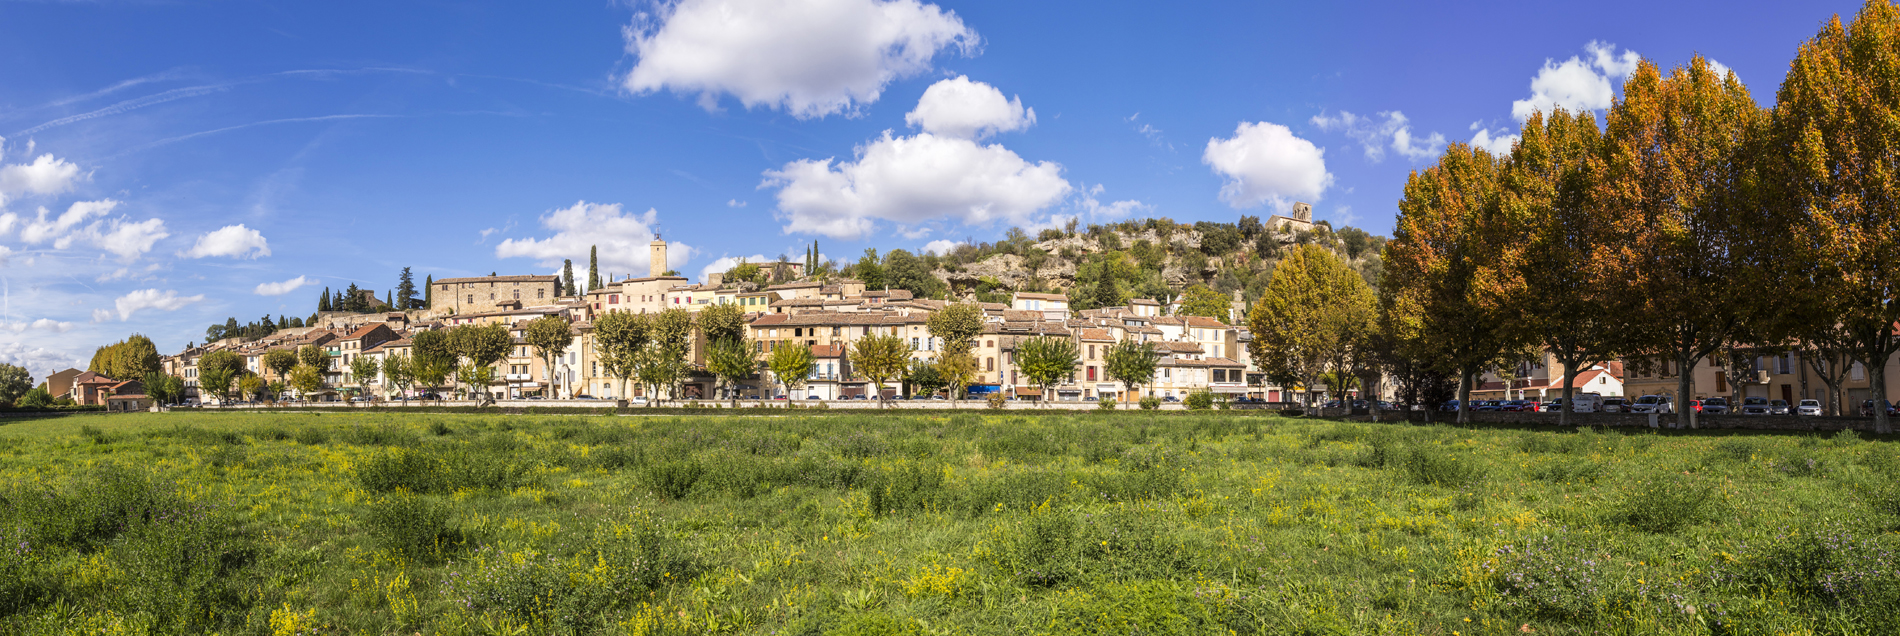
{"points": [[1658, 404], [1811, 408], [1170, 399], [1778, 407], [1755, 405], [1517, 406], [813, 397], [1714, 406], [1450, 406], [1488, 405], [1615, 405], [637, 400], [583, 396], [1867, 408]]}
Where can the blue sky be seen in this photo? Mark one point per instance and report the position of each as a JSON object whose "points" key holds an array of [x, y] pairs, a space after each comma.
{"points": [[169, 164]]}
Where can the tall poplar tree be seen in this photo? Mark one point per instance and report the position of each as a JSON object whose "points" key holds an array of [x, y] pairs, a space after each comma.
{"points": [[567, 276], [593, 268], [1674, 192], [428, 292], [1837, 121]]}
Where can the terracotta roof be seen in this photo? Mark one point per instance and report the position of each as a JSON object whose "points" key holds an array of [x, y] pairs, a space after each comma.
{"points": [[768, 320], [1203, 321], [1144, 301], [1171, 321], [1099, 335], [828, 351], [363, 331], [92, 378], [1036, 296], [1024, 315]]}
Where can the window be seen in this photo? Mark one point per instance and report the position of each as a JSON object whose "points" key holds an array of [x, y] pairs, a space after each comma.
{"points": [[913, 344], [540, 293], [1091, 352], [491, 295], [613, 299], [989, 343], [471, 298], [517, 294], [989, 364], [1091, 374]]}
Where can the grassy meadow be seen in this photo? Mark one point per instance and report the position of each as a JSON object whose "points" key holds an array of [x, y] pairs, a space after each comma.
{"points": [[874, 523]]}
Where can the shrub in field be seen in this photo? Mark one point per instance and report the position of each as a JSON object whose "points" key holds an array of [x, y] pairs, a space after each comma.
{"points": [[996, 401], [187, 568], [1569, 471], [626, 559], [1550, 578], [438, 429], [674, 479], [1429, 466], [85, 518], [859, 445], [97, 436], [907, 489], [412, 526], [1105, 405], [1150, 403], [1736, 449], [1199, 401], [1858, 572], [1052, 548], [1014, 491], [1800, 465], [1665, 506], [311, 436], [440, 471], [377, 436]]}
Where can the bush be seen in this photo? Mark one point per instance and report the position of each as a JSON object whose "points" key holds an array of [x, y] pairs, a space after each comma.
{"points": [[1150, 403], [911, 488], [674, 479], [1200, 401], [1429, 467], [1833, 564], [1105, 405], [1055, 547], [997, 401], [97, 436], [412, 526], [1549, 578], [626, 560], [1663, 507]]}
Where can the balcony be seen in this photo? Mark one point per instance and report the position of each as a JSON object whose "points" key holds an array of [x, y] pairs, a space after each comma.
{"points": [[518, 377]]}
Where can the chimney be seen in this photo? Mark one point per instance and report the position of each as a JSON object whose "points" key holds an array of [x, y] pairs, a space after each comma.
{"points": [[657, 256]]}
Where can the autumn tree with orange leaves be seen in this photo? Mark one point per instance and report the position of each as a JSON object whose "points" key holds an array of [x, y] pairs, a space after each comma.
{"points": [[1678, 192], [1837, 119], [1433, 265]]}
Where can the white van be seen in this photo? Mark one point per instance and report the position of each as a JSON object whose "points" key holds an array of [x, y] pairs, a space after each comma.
{"points": [[1587, 403], [1658, 404]]}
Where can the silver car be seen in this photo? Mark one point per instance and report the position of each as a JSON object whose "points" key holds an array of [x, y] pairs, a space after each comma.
{"points": [[1658, 404], [1808, 407], [1615, 405]]}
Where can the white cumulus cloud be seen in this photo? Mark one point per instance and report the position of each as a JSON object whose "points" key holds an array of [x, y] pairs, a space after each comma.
{"points": [[1265, 163], [43, 324], [968, 110], [722, 264], [235, 241], [809, 57], [144, 299], [101, 315], [1499, 144], [622, 237], [39, 361], [941, 247], [1577, 84], [42, 229], [1387, 130], [128, 240], [45, 175], [1109, 211], [912, 180], [285, 287], [124, 238]]}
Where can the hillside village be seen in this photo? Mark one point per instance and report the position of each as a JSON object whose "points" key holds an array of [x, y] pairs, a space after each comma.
{"points": [[1184, 288]]}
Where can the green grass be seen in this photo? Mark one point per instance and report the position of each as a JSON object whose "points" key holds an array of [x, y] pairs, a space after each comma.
{"points": [[879, 523]]}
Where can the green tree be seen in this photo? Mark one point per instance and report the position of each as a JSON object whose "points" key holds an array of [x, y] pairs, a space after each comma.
{"points": [[406, 293], [15, 381], [475, 379], [1198, 300], [958, 369], [37, 398], [550, 336], [732, 362], [880, 358], [156, 384], [216, 371], [399, 372], [313, 356], [306, 379], [619, 341], [593, 267], [1674, 191], [479, 347], [363, 370], [664, 363], [903, 270], [745, 272], [567, 277], [430, 372], [280, 361], [127, 359], [722, 323], [249, 386], [1046, 360], [869, 270], [323, 302], [428, 292], [791, 364], [1432, 265], [958, 325], [1132, 363], [1837, 127], [923, 378], [1314, 317], [1106, 279]]}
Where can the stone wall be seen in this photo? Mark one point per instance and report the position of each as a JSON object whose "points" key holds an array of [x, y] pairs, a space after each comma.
{"points": [[1741, 422]]}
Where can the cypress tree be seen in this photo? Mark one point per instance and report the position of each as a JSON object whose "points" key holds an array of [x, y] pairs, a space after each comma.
{"points": [[593, 267], [567, 275], [406, 291], [428, 292], [323, 302]]}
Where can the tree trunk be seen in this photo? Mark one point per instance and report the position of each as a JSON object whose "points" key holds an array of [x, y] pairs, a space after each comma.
{"points": [[1685, 383], [1877, 378], [1466, 378], [1570, 378]]}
